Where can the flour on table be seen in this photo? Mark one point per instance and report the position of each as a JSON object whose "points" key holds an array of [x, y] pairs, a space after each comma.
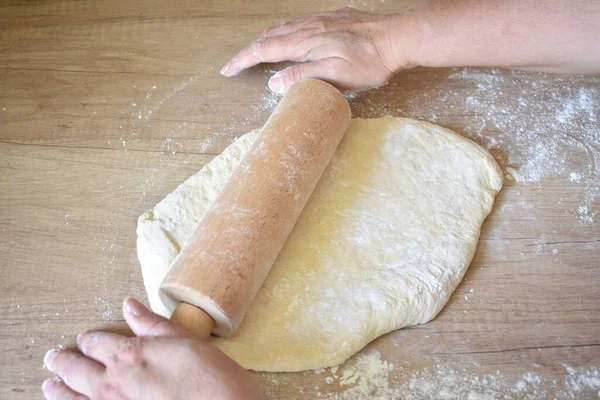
{"points": [[538, 126], [384, 240], [375, 378]]}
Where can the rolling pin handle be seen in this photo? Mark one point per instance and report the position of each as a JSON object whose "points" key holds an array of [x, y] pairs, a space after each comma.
{"points": [[194, 320]]}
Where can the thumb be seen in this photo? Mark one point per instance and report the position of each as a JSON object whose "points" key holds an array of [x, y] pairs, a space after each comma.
{"points": [[283, 80], [144, 322]]}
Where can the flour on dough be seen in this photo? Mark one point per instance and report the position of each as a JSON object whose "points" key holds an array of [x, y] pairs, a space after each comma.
{"points": [[382, 243]]}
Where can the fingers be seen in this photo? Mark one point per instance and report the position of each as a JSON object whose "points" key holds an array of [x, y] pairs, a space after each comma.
{"points": [[56, 389], [293, 26], [292, 41], [283, 80], [79, 372], [284, 29], [292, 47], [144, 322], [100, 346]]}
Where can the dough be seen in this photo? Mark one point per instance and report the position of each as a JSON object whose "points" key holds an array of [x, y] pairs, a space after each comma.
{"points": [[382, 243]]}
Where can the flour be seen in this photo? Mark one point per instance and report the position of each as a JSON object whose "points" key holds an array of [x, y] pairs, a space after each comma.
{"points": [[267, 102], [536, 127], [351, 95], [107, 269], [550, 130], [375, 378], [370, 5], [530, 137], [351, 255], [575, 177], [367, 375], [586, 216], [544, 134], [580, 380]]}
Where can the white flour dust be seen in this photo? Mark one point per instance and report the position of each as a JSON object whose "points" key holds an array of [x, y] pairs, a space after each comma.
{"points": [[539, 127], [549, 131], [140, 113], [368, 376], [539, 124], [267, 101]]}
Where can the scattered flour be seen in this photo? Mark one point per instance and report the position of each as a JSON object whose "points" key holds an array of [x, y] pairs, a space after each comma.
{"points": [[575, 177], [351, 95], [547, 132], [110, 235], [550, 130], [367, 376], [538, 126], [535, 137], [267, 103]]}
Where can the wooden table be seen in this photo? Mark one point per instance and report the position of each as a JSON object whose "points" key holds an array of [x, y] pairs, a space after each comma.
{"points": [[105, 107]]}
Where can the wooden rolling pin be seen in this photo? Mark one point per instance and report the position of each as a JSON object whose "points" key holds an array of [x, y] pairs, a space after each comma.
{"points": [[215, 278]]}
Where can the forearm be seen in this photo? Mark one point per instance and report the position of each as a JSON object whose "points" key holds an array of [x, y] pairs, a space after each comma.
{"points": [[551, 36]]}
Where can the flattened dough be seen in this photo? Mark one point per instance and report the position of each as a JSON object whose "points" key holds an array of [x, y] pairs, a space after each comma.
{"points": [[382, 243]]}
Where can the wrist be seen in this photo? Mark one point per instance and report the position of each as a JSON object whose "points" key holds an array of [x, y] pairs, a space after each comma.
{"points": [[398, 41]]}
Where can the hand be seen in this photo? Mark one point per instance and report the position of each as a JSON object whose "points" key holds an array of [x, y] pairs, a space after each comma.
{"points": [[162, 362], [349, 48]]}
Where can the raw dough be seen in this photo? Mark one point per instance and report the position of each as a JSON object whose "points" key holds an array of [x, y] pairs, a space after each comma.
{"points": [[382, 243]]}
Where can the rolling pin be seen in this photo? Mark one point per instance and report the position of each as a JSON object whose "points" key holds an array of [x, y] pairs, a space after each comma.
{"points": [[217, 275]]}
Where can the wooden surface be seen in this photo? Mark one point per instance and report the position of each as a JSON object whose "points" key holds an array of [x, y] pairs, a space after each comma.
{"points": [[105, 107]]}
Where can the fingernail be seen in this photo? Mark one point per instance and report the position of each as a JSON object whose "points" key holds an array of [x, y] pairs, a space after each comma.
{"points": [[49, 357], [234, 68], [276, 83], [49, 386], [80, 336], [132, 306], [80, 344], [225, 69]]}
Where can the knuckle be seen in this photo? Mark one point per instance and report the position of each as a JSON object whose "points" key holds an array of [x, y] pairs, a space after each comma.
{"points": [[107, 391], [257, 46], [295, 73], [64, 364], [346, 10], [306, 47], [267, 32], [347, 47], [239, 60], [320, 25], [160, 326], [88, 340], [131, 352], [334, 68]]}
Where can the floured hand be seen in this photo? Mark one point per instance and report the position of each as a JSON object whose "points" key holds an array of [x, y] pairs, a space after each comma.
{"points": [[161, 362], [346, 47], [357, 50]]}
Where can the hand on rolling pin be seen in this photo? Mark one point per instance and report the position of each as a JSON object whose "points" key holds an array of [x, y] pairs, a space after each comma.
{"points": [[161, 362], [356, 50]]}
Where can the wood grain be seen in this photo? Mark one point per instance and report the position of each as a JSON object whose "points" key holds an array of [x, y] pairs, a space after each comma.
{"points": [[105, 107]]}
